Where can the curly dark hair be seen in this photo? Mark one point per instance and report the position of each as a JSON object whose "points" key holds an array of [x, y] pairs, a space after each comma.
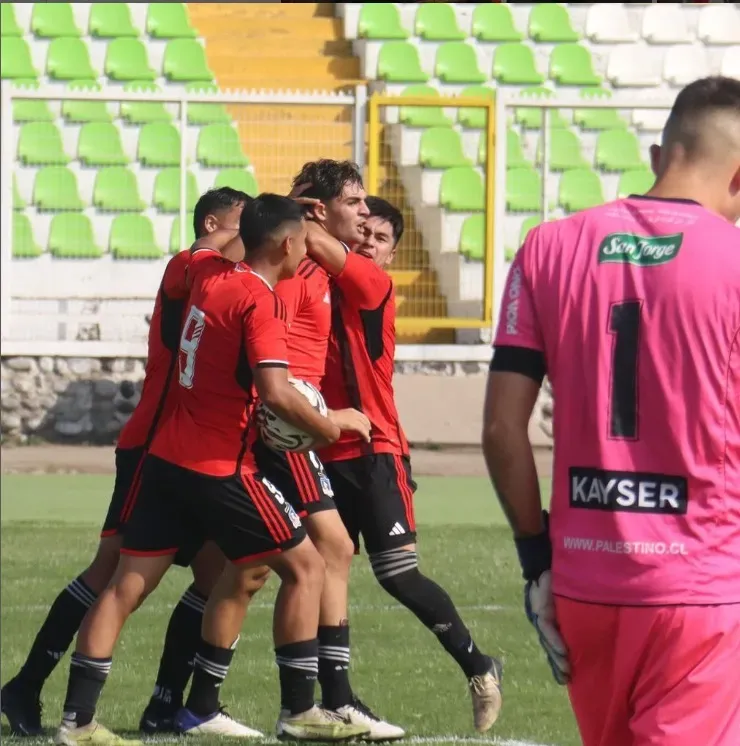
{"points": [[327, 178]]}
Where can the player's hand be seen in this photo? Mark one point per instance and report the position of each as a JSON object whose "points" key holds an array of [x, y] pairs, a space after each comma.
{"points": [[540, 608], [298, 190], [351, 420]]}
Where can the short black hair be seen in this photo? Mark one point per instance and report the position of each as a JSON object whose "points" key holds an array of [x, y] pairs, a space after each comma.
{"points": [[263, 216], [327, 178], [379, 208], [702, 98], [213, 201]]}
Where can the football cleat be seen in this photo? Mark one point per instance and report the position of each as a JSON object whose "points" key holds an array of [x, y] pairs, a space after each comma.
{"points": [[92, 734], [158, 717], [220, 723], [317, 724], [485, 691], [22, 707], [360, 714]]}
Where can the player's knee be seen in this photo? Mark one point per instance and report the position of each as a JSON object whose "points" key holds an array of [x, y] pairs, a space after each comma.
{"points": [[103, 567], [397, 571], [303, 565], [337, 553], [244, 583]]}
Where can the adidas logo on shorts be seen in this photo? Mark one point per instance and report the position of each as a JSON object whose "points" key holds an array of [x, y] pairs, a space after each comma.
{"points": [[397, 530]]}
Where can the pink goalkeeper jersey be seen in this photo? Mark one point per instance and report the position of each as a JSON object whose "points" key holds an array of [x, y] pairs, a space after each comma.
{"points": [[636, 307]]}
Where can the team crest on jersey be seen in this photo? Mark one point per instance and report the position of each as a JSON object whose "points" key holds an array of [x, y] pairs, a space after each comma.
{"points": [[641, 251]]}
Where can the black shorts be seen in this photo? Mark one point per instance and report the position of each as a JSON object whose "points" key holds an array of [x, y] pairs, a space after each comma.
{"points": [[177, 510], [375, 497], [299, 476], [129, 462]]}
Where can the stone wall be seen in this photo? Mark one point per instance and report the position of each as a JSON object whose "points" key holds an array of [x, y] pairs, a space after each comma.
{"points": [[74, 400]]}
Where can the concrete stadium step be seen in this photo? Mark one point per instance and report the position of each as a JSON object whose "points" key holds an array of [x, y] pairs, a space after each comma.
{"points": [[274, 45], [255, 66]]}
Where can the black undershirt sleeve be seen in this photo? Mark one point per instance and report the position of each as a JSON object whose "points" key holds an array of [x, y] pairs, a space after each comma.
{"points": [[524, 360]]}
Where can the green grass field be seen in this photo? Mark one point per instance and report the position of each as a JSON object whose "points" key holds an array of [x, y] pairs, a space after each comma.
{"points": [[49, 532]]}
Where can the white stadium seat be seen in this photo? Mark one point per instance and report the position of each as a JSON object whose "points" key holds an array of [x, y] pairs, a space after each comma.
{"points": [[633, 66], [649, 120], [720, 24], [731, 63], [608, 23], [684, 64], [665, 24]]}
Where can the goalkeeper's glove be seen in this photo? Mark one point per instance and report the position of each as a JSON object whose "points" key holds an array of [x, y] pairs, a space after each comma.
{"points": [[535, 556]]}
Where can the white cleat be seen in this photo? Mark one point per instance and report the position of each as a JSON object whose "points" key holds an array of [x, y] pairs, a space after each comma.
{"points": [[92, 734], [218, 724], [317, 724], [361, 714], [486, 693]]}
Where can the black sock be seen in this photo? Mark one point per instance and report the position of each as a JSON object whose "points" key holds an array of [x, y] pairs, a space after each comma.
{"points": [[86, 680], [334, 667], [180, 647], [209, 671], [398, 574], [299, 665], [56, 634]]}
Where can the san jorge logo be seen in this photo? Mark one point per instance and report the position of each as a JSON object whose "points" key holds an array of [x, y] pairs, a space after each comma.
{"points": [[642, 251]]}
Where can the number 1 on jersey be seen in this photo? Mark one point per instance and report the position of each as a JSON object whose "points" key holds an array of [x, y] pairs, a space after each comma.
{"points": [[624, 324], [192, 330]]}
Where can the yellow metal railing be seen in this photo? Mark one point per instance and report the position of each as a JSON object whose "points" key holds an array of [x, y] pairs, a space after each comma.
{"points": [[376, 147]]}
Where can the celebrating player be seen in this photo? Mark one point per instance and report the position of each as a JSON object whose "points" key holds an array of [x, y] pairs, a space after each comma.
{"points": [[200, 483], [633, 311], [372, 483], [216, 223], [300, 477]]}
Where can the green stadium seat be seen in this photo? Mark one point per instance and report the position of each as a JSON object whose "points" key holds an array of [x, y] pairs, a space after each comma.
{"points": [[69, 59], [18, 202], [169, 21], [565, 150], [531, 118], [597, 119], [473, 237], [474, 118], [111, 21], [422, 116], [527, 226], [85, 111], [8, 25], [15, 59], [514, 153], [437, 22], [100, 145], [185, 61], [523, 190], [618, 150], [571, 64], [143, 112], [494, 22], [513, 64], [30, 110], [580, 189], [132, 237], [126, 59], [462, 190], [52, 20], [441, 147], [218, 147], [24, 244], [237, 178], [40, 144], [380, 21], [71, 237], [200, 114], [55, 188], [635, 182], [159, 145], [398, 62], [116, 190], [456, 62], [167, 191], [175, 245], [550, 22], [509, 254]]}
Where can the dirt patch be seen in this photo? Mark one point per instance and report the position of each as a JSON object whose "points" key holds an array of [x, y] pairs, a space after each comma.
{"points": [[59, 459]]}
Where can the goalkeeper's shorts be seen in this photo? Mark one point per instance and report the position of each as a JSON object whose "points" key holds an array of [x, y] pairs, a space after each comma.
{"points": [[653, 675]]}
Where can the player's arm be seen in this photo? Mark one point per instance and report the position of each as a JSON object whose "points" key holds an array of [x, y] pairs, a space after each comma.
{"points": [[362, 282], [517, 369]]}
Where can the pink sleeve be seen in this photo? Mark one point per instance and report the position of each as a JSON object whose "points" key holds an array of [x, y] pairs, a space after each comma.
{"points": [[518, 325]]}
